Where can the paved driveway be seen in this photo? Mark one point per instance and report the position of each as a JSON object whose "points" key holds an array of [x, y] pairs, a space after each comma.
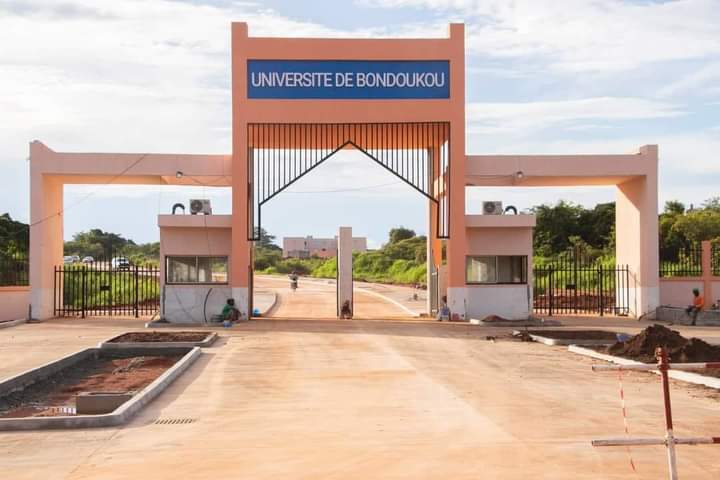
{"points": [[363, 400]]}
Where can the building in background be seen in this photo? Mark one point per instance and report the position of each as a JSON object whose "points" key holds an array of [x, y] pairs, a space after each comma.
{"points": [[306, 247]]}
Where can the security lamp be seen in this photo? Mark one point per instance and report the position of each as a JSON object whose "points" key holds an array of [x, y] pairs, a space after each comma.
{"points": [[178, 174], [519, 175]]}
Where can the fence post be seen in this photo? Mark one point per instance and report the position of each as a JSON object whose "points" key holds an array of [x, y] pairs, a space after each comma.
{"points": [[136, 291], [83, 290], [600, 290], [550, 290], [707, 274]]}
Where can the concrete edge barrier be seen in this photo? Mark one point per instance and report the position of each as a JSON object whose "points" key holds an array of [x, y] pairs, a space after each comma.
{"points": [[272, 305], [516, 323], [563, 342], [121, 414], [13, 323], [689, 377], [28, 377], [205, 343]]}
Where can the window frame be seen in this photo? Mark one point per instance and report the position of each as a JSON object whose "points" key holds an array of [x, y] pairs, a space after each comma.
{"points": [[196, 257], [524, 272]]}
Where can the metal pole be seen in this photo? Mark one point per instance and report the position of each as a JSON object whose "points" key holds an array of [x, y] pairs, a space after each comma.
{"points": [[663, 366], [83, 289], [137, 314]]}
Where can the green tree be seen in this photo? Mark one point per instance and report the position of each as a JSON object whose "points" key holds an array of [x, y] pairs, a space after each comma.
{"points": [[14, 236], [266, 240], [400, 233]]}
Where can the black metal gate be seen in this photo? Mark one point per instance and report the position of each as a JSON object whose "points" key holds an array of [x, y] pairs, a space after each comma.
{"points": [[573, 285], [104, 288]]}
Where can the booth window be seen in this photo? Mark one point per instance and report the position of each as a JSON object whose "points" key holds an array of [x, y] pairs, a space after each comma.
{"points": [[496, 269], [189, 270]]}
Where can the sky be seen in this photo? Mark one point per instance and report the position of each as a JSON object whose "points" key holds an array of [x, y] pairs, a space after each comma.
{"points": [[542, 76]]}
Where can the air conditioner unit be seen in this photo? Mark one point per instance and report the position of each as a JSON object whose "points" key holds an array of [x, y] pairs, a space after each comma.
{"points": [[200, 206], [492, 208]]}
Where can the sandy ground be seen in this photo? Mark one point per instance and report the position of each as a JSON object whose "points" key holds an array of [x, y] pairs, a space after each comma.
{"points": [[316, 298], [279, 399]]}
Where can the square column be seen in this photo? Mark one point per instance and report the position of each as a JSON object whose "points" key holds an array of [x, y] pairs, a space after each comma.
{"points": [[46, 234], [344, 268], [636, 228]]}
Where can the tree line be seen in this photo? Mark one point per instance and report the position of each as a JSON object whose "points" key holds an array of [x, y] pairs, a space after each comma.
{"points": [[561, 227]]}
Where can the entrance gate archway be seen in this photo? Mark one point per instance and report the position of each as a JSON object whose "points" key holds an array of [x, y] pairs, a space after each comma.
{"points": [[280, 154], [418, 153]]}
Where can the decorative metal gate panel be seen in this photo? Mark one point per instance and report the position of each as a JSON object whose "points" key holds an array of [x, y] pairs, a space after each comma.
{"points": [[101, 289], [573, 286], [280, 154]]}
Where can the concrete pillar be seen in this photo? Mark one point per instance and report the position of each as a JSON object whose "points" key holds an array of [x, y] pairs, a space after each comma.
{"points": [[707, 273], [46, 232], [344, 268], [241, 258], [636, 228], [457, 291]]}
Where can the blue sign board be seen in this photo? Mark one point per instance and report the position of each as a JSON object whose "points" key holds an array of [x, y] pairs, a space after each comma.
{"points": [[348, 79]]}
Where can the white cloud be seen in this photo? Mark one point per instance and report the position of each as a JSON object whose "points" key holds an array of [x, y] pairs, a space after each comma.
{"points": [[490, 117], [705, 79], [584, 35]]}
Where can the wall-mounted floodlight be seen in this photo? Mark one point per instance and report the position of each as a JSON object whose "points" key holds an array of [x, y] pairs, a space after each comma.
{"points": [[178, 174], [519, 174]]}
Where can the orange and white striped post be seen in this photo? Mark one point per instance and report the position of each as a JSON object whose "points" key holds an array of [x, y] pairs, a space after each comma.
{"points": [[670, 440]]}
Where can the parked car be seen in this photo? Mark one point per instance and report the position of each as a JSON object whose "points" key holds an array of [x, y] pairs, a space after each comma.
{"points": [[88, 259], [75, 258], [120, 263], [68, 259]]}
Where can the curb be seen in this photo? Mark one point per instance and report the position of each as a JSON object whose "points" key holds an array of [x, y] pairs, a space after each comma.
{"points": [[689, 377], [110, 345], [562, 342], [516, 323], [13, 323]]}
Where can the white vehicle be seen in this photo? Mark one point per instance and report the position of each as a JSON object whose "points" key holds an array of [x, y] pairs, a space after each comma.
{"points": [[88, 259], [120, 263], [68, 259]]}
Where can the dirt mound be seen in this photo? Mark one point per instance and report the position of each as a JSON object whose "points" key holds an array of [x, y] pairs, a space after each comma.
{"points": [[642, 347]]}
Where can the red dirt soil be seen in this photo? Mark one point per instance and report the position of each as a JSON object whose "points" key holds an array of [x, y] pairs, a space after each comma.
{"points": [[642, 347], [91, 375], [161, 337]]}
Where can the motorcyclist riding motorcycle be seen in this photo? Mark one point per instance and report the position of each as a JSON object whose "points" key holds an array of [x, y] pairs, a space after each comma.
{"points": [[293, 280]]}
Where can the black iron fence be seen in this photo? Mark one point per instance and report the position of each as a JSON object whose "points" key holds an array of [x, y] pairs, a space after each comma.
{"points": [[106, 288], [569, 286], [715, 259], [14, 270], [683, 262]]}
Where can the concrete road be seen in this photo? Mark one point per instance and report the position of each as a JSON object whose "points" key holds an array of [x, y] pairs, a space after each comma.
{"points": [[331, 399], [316, 298]]}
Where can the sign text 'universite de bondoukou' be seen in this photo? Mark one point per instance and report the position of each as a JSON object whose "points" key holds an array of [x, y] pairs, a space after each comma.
{"points": [[348, 79]]}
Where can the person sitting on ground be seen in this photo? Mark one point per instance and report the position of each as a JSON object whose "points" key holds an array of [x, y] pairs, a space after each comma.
{"points": [[230, 313], [696, 307], [443, 311], [345, 310]]}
